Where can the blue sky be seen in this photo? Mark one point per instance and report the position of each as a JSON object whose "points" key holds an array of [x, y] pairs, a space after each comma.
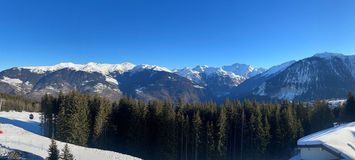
{"points": [[173, 33]]}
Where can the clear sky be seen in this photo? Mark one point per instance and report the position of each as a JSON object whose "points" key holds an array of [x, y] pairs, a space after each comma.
{"points": [[173, 33]]}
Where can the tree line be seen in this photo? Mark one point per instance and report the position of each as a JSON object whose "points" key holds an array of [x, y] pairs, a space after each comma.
{"points": [[166, 130], [18, 103]]}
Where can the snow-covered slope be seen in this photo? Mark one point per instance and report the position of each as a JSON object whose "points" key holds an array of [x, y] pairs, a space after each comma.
{"points": [[21, 133], [277, 69], [340, 139]]}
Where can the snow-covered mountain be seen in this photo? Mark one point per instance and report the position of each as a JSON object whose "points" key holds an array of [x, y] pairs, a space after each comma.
{"points": [[114, 80], [219, 81], [236, 72], [322, 76]]}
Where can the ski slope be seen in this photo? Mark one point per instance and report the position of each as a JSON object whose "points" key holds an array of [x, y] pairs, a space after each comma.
{"points": [[21, 133]]}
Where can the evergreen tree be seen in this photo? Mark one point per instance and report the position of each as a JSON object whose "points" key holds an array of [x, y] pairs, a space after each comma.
{"points": [[47, 107], [53, 151], [196, 127], [66, 155], [73, 125], [210, 141], [159, 130], [348, 114], [221, 136], [99, 109]]}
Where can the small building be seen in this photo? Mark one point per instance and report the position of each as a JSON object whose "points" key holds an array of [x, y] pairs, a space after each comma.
{"points": [[337, 143]]}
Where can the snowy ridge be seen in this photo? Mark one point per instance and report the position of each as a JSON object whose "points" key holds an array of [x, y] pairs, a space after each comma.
{"points": [[90, 67], [328, 55], [278, 68], [22, 134], [237, 72], [190, 74], [150, 67]]}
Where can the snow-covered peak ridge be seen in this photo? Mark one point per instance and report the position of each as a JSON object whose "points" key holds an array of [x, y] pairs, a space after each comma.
{"points": [[328, 55], [237, 72], [243, 70], [237, 69], [278, 68], [190, 74], [90, 67], [150, 67]]}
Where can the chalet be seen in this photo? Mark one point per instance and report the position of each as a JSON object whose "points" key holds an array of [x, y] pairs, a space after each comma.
{"points": [[337, 143]]}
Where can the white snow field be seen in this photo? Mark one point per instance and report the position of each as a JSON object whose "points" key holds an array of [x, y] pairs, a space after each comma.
{"points": [[21, 133]]}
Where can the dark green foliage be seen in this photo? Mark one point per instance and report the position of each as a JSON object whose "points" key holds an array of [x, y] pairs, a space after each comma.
{"points": [[162, 130], [99, 109], [196, 132], [66, 155], [53, 152], [18, 103], [322, 117], [73, 124], [348, 113]]}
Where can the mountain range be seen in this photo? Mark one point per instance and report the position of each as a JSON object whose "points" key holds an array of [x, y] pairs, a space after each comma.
{"points": [[322, 76]]}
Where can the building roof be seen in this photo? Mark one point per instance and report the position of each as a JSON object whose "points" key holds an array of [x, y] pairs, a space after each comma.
{"points": [[340, 139]]}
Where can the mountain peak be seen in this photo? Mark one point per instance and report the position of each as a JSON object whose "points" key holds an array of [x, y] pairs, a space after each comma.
{"points": [[328, 55], [150, 67], [89, 67]]}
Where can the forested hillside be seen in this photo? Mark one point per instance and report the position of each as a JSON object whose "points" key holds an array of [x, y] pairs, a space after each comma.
{"points": [[163, 130], [18, 103]]}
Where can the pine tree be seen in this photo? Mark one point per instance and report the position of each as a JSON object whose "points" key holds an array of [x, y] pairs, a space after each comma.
{"points": [[99, 110], [73, 124], [47, 108], [66, 155], [221, 136], [348, 113], [210, 145], [196, 127], [53, 151]]}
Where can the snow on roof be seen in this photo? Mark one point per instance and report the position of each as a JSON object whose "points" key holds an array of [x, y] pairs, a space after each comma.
{"points": [[340, 139]]}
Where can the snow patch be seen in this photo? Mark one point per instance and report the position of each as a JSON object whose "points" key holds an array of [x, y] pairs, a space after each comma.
{"points": [[336, 103], [261, 90], [290, 92], [198, 86], [99, 87], [11, 81], [111, 80]]}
